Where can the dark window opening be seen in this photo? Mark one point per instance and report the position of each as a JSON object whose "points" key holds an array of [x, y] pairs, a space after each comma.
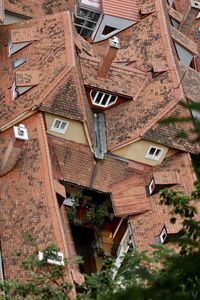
{"points": [[108, 30]]}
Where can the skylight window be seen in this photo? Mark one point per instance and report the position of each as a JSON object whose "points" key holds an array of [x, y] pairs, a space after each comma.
{"points": [[154, 153], [59, 126], [102, 99], [18, 62]]}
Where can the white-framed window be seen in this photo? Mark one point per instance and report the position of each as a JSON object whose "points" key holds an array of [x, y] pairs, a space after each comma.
{"points": [[151, 186], [57, 259], [18, 62], [59, 126], [163, 235], [102, 99], [154, 153]]}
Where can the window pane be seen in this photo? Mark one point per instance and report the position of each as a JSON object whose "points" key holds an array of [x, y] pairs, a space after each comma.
{"points": [[112, 99], [152, 151], [98, 98], [157, 152], [184, 55], [57, 124], [62, 126], [104, 99], [93, 94]]}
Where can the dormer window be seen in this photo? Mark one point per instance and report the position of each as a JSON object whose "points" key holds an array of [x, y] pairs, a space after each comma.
{"points": [[18, 90], [154, 153], [185, 56], [162, 237], [175, 23], [102, 99], [161, 180], [13, 48], [18, 62], [171, 3]]}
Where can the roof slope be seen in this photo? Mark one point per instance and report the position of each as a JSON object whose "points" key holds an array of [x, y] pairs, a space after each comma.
{"points": [[51, 56], [38, 8], [126, 9], [28, 200]]}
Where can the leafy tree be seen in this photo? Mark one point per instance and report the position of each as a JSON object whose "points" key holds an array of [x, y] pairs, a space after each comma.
{"points": [[44, 281]]}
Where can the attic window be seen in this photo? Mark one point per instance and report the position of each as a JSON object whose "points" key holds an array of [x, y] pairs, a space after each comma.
{"points": [[13, 48], [154, 153], [184, 55], [85, 21], [19, 90], [175, 23], [108, 30], [59, 126], [18, 62], [171, 3], [102, 99], [151, 187], [162, 237]]}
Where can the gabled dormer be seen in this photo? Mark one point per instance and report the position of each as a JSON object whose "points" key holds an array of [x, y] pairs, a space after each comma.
{"points": [[161, 180]]}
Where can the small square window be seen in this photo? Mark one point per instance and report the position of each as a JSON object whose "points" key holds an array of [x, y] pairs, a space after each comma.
{"points": [[59, 126], [154, 153]]}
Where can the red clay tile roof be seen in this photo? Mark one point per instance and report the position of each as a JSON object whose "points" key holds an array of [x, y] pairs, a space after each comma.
{"points": [[168, 134], [166, 178], [126, 9], [148, 225], [145, 46], [28, 199], [50, 63], [77, 165], [38, 8]]}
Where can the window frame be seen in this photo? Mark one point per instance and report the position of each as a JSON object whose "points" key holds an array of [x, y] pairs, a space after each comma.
{"points": [[59, 130], [163, 231], [21, 59], [53, 261], [93, 99], [150, 188], [152, 156]]}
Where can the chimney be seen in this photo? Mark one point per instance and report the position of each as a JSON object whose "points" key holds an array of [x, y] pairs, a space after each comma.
{"points": [[106, 62], [20, 135]]}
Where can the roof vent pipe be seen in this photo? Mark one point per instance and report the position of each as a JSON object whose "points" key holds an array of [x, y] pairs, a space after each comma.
{"points": [[108, 59]]}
